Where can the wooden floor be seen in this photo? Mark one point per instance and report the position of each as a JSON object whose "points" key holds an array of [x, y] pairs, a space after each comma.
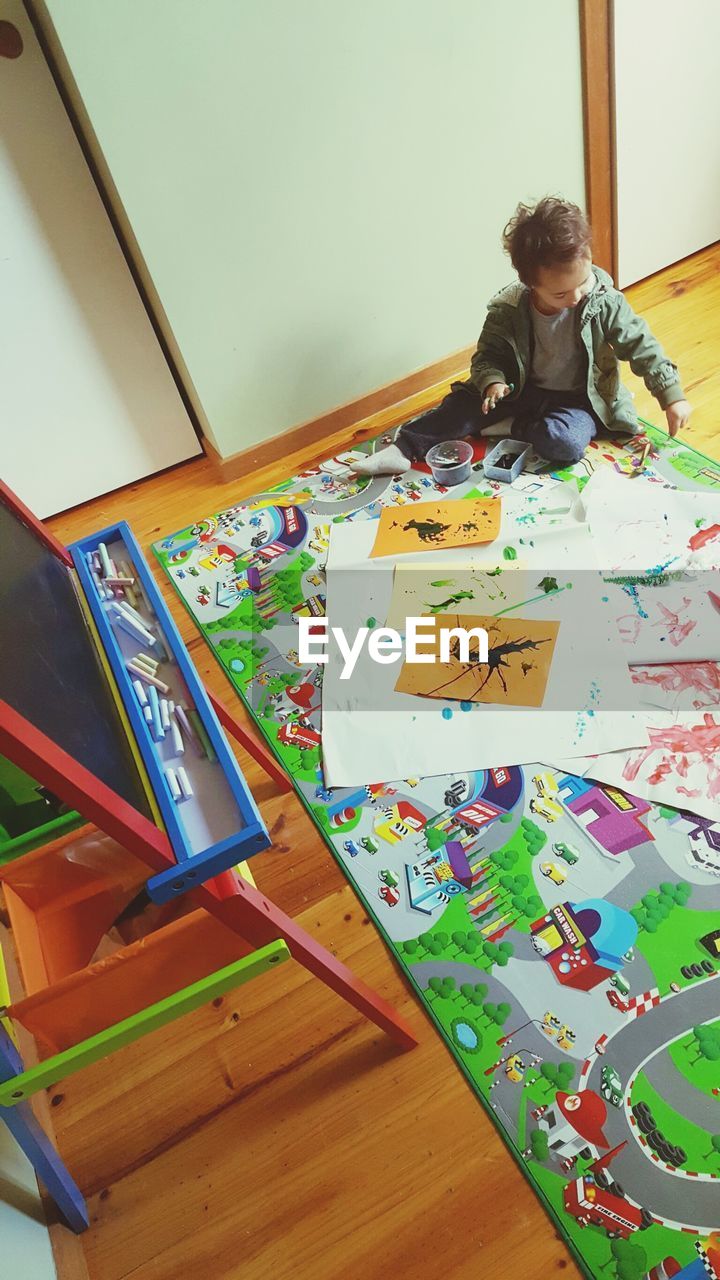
{"points": [[274, 1133]]}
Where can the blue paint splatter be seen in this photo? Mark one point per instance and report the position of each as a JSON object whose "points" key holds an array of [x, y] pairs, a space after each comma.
{"points": [[466, 706], [447, 713], [632, 592], [589, 711]]}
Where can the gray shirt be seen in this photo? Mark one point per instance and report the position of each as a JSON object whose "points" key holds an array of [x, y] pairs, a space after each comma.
{"points": [[559, 362]]}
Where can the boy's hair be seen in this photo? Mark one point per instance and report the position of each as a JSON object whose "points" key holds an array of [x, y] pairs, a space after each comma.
{"points": [[548, 234]]}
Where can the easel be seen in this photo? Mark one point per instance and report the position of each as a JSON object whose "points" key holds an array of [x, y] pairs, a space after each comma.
{"points": [[227, 897]]}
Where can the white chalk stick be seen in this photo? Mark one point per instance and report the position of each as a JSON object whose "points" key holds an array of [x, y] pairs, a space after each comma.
{"points": [[105, 561], [140, 693], [132, 627], [184, 781], [175, 791], [164, 713], [133, 613]]}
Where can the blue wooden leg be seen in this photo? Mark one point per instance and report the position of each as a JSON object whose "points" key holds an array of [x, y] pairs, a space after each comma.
{"points": [[38, 1148]]}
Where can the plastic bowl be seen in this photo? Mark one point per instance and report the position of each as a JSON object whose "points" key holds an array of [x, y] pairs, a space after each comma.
{"points": [[450, 462], [518, 449]]}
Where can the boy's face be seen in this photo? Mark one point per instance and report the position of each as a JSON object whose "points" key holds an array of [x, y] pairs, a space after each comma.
{"points": [[556, 288]]}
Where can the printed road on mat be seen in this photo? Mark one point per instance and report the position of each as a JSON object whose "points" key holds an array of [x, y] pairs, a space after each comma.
{"points": [[564, 936]]}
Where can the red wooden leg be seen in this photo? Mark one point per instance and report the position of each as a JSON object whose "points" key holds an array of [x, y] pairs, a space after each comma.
{"points": [[249, 913], [230, 899], [251, 743]]}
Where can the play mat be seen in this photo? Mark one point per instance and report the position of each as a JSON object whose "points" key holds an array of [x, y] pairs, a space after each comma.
{"points": [[563, 935]]}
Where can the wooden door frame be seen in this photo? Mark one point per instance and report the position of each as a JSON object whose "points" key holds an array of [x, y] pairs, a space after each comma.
{"points": [[597, 63]]}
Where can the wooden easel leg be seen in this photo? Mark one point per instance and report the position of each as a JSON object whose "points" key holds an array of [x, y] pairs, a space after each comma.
{"points": [[248, 912], [38, 1148], [229, 898], [251, 743]]}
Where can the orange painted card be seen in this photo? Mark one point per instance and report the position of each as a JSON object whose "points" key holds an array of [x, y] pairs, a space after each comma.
{"points": [[430, 526], [520, 653]]}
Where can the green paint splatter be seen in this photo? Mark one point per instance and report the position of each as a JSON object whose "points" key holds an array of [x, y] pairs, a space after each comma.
{"points": [[442, 582], [453, 599], [510, 553], [548, 584], [370, 622]]}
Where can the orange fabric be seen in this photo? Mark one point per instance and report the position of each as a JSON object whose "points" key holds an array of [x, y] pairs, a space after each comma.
{"points": [[105, 993], [63, 898]]}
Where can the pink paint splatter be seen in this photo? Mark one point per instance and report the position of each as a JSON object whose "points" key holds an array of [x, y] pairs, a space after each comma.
{"points": [[684, 746], [680, 677], [677, 631], [629, 627]]}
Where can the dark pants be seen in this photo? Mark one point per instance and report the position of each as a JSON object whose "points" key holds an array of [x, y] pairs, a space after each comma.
{"points": [[558, 424]]}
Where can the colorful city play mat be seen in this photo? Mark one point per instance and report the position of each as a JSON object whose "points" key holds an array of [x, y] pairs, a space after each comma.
{"points": [[564, 935]]}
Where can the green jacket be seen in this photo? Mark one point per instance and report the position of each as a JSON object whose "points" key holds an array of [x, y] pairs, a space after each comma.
{"points": [[609, 330]]}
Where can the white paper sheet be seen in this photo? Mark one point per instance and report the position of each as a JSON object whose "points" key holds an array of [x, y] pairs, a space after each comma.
{"points": [[371, 732], [643, 527], [680, 686], [672, 539], [679, 766]]}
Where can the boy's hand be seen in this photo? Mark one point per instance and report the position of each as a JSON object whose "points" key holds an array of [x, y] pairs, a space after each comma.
{"points": [[677, 415], [496, 392]]}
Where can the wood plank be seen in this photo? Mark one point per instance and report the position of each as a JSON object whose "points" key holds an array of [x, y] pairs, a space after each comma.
{"points": [[114, 1038], [274, 1132], [349, 421], [599, 132]]}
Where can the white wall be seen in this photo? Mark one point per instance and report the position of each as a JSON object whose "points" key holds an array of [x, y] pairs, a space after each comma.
{"points": [[318, 189], [25, 1243], [25, 1252], [667, 87], [88, 402]]}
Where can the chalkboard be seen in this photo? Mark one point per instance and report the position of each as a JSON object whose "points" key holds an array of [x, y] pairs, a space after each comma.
{"points": [[50, 671]]}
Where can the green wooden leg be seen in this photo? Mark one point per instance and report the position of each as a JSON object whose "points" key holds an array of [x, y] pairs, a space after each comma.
{"points": [[24, 1085]]}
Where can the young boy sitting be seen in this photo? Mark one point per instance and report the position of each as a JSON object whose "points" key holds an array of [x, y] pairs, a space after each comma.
{"points": [[548, 354]]}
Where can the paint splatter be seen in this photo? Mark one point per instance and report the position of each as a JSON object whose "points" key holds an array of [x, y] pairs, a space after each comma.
{"points": [[447, 713], [587, 712], [632, 592], [453, 599], [700, 678], [703, 536], [676, 630], [510, 553], [681, 747]]}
